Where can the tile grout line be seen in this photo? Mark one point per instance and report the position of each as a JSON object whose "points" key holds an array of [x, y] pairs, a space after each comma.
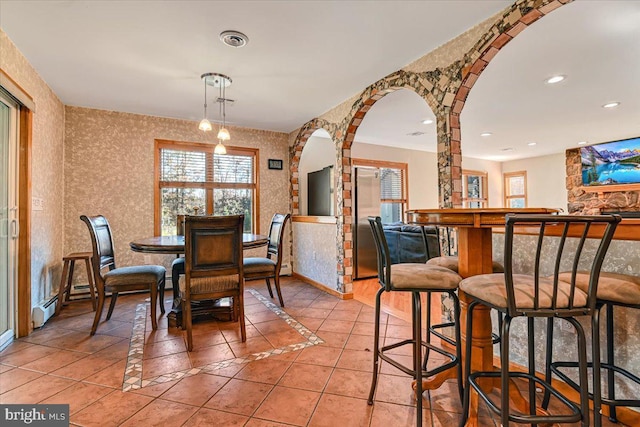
{"points": [[133, 372]]}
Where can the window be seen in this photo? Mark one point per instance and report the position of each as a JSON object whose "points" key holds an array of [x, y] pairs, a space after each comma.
{"points": [[515, 189], [192, 180], [474, 189], [393, 188]]}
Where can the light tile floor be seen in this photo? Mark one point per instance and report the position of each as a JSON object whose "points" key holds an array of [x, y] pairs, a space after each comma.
{"points": [[280, 376]]}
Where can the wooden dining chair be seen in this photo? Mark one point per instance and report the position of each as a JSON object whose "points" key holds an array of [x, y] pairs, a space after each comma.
{"points": [[123, 279], [213, 266], [269, 267], [534, 295]]}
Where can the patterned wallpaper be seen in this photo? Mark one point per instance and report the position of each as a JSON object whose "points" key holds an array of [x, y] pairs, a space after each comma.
{"points": [[109, 170], [47, 179]]}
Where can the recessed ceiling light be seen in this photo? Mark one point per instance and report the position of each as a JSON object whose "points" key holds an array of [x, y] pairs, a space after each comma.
{"points": [[486, 134], [531, 144], [555, 79], [611, 105], [234, 38], [427, 122], [582, 143]]}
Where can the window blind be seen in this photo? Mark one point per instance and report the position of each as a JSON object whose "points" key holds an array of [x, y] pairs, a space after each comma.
{"points": [[391, 184]]}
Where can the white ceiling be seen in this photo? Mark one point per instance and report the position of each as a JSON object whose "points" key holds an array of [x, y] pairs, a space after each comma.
{"points": [[303, 57], [596, 44]]}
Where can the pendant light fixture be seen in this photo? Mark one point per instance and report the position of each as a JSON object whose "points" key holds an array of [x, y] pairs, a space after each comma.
{"points": [[221, 82], [205, 124]]}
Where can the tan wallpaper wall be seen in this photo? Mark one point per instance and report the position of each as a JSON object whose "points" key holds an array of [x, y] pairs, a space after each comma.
{"points": [[109, 167], [47, 226]]}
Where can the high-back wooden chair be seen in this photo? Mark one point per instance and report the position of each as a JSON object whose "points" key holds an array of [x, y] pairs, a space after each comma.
{"points": [[123, 279], [213, 265], [269, 267]]}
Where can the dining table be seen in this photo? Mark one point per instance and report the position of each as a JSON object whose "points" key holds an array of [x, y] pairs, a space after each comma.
{"points": [[174, 245], [475, 256]]}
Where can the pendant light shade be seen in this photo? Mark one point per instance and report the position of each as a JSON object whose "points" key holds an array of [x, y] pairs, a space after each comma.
{"points": [[223, 134], [205, 125], [220, 149]]}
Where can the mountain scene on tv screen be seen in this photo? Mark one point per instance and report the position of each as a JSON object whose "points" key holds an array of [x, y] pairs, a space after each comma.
{"points": [[611, 163]]}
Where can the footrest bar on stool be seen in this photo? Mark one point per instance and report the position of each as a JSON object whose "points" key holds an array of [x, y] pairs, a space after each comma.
{"points": [[495, 338], [410, 371]]}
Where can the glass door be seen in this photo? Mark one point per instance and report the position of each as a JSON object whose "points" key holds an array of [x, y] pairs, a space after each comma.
{"points": [[8, 217]]}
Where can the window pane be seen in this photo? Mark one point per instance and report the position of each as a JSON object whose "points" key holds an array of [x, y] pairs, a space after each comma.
{"points": [[516, 203], [390, 212], [233, 169], [176, 201], [516, 185], [474, 187], [185, 166], [234, 202]]}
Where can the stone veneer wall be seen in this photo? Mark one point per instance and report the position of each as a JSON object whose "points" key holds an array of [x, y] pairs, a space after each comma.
{"points": [[443, 78], [608, 199], [47, 179]]}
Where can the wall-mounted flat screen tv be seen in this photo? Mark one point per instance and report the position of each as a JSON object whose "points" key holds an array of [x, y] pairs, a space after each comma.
{"points": [[611, 163]]}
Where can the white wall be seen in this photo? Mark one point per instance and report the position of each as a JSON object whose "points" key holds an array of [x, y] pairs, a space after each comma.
{"points": [[546, 179], [318, 153], [423, 170], [494, 177]]}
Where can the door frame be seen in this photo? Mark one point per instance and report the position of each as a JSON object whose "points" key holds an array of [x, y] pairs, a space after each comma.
{"points": [[23, 323]]}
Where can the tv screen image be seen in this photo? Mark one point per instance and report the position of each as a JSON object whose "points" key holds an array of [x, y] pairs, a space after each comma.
{"points": [[611, 163]]}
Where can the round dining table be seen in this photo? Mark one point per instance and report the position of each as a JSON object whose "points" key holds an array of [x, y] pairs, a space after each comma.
{"points": [[174, 245], [475, 256]]}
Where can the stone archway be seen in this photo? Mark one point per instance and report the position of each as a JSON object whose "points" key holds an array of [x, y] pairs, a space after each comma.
{"points": [[519, 16]]}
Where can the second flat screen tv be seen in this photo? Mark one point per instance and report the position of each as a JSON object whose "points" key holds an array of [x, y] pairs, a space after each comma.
{"points": [[611, 163], [320, 192]]}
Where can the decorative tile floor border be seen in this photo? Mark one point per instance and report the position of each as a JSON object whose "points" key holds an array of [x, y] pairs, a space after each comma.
{"points": [[133, 371]]}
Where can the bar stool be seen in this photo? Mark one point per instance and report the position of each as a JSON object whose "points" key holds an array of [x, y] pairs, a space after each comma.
{"points": [[66, 281], [415, 278], [531, 296], [613, 290]]}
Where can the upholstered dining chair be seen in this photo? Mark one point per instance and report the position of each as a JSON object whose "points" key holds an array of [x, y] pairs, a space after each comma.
{"points": [[269, 267], [213, 266], [536, 295], [416, 278], [123, 279]]}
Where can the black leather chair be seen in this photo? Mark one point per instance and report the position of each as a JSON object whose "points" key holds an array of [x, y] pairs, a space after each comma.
{"points": [[123, 279]]}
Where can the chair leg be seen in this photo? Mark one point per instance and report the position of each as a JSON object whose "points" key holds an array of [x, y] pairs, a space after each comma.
{"points": [[417, 354], [154, 301], [276, 279], [161, 286], [456, 313], [243, 328], [595, 357], [269, 287], [63, 286], [582, 367], [549, 360], [466, 403], [99, 307], [186, 322], [532, 364], [611, 362], [114, 298], [425, 360], [376, 346], [87, 263], [504, 370]]}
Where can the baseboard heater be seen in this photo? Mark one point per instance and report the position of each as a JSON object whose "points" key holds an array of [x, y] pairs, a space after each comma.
{"points": [[43, 311]]}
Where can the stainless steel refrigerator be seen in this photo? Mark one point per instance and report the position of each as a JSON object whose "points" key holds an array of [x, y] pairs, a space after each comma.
{"points": [[367, 203]]}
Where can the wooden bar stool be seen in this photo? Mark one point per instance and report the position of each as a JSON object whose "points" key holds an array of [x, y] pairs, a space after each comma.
{"points": [[66, 280]]}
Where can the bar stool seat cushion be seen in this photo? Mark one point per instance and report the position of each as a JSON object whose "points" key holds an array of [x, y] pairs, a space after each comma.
{"points": [[419, 276], [451, 262], [139, 274], [211, 284], [259, 265], [491, 288], [178, 264], [618, 288]]}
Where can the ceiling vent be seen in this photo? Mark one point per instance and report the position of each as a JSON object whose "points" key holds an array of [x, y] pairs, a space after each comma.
{"points": [[417, 133], [234, 38]]}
